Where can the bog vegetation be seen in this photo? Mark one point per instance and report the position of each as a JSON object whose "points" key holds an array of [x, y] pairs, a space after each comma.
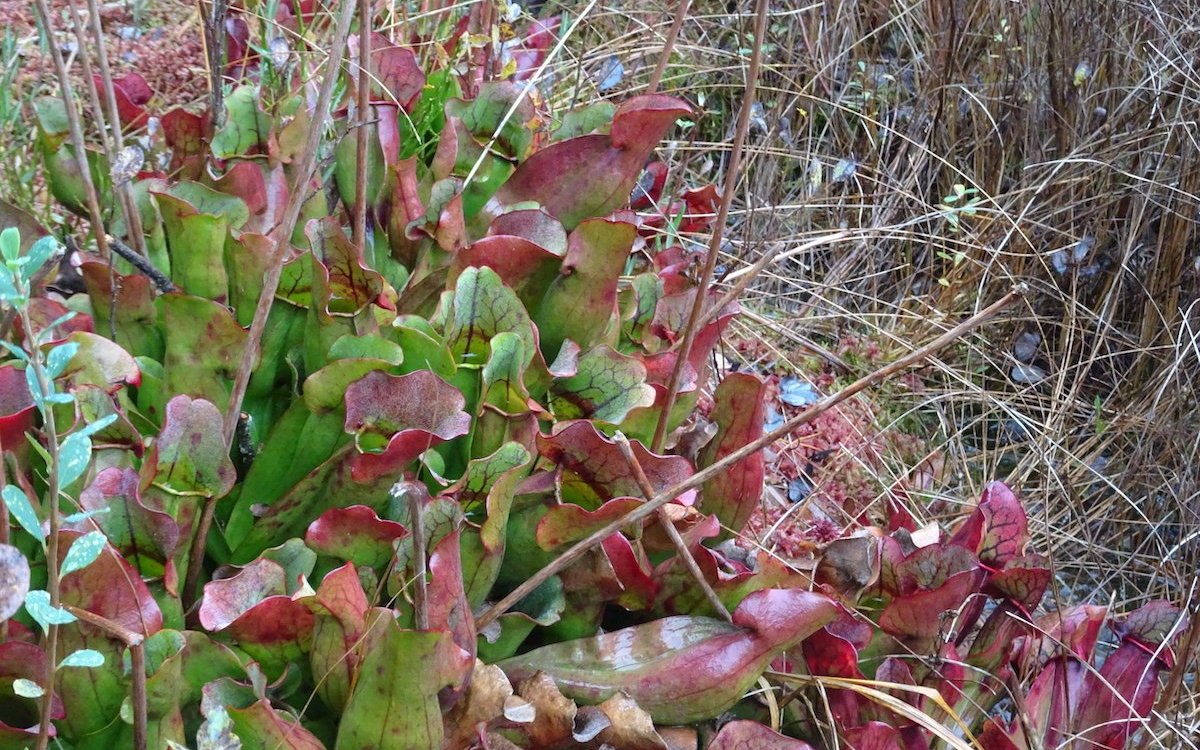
{"points": [[381, 397]]}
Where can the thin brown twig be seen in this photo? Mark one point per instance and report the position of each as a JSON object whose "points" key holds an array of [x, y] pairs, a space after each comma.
{"points": [[214, 47], [50, 430], [133, 218], [135, 642], [281, 235], [676, 538], [714, 246], [745, 276], [138, 697], [67, 92], [114, 629], [808, 415], [364, 109], [664, 58], [414, 496]]}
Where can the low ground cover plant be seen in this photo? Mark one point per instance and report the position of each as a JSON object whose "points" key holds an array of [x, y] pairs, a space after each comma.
{"points": [[388, 429]]}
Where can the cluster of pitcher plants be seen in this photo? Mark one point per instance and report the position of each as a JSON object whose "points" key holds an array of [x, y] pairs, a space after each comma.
{"points": [[275, 480]]}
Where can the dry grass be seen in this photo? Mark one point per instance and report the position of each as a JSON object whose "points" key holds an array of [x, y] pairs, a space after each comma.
{"points": [[1073, 127]]}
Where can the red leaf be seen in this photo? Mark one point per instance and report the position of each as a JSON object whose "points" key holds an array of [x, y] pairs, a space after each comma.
{"points": [[342, 283], [734, 494], [16, 408], [750, 735], [414, 411], [700, 209], [184, 133], [20, 660], [1076, 627], [567, 523], [832, 656], [354, 534], [227, 599], [532, 51], [681, 669], [340, 607], [597, 462], [1023, 580], [132, 94], [1113, 704], [874, 736], [997, 531], [447, 602], [129, 525], [532, 224], [517, 261], [638, 588], [398, 77], [238, 53], [919, 615], [1152, 624], [592, 175], [245, 180], [111, 588]]}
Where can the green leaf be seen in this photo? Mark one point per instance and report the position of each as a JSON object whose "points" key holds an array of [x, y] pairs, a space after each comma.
{"points": [[204, 345], [196, 243], [503, 381], [7, 290], [84, 657], [84, 515], [27, 688], [205, 200], [483, 307], [681, 669], [592, 118], [607, 387], [10, 243], [83, 552], [581, 301], [14, 580], [394, 703], [189, 456], [97, 426], [246, 125], [38, 254], [15, 350], [37, 604], [73, 457], [58, 358], [19, 507]]}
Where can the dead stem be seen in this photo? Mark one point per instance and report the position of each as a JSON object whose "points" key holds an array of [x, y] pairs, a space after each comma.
{"points": [[668, 527], [684, 349]]}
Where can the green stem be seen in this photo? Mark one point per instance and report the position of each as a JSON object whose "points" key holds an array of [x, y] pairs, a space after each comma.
{"points": [[52, 578]]}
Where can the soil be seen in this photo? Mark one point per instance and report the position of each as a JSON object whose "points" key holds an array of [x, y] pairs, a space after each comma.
{"points": [[161, 41]]}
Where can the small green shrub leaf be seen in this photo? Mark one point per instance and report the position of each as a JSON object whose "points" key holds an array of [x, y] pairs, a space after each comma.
{"points": [[37, 604], [27, 688], [73, 457], [83, 552], [41, 251], [19, 507], [58, 358], [10, 243], [84, 657]]}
